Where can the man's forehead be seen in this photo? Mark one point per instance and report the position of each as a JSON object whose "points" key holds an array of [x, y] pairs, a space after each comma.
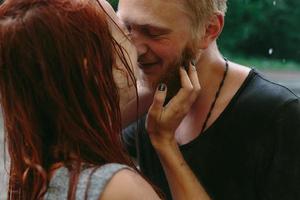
{"points": [[158, 13], [143, 21]]}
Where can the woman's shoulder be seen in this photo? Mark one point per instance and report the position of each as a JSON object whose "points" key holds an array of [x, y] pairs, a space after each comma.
{"points": [[91, 181], [115, 182], [111, 181], [128, 184]]}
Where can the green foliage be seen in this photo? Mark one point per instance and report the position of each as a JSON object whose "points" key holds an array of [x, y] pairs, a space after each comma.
{"points": [[264, 28], [114, 3], [263, 63]]}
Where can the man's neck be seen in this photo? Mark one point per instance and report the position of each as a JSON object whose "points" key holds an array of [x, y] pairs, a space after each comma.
{"points": [[210, 68]]}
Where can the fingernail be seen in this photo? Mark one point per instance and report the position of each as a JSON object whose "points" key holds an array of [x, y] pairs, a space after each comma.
{"points": [[162, 87], [193, 62], [185, 65], [193, 68]]}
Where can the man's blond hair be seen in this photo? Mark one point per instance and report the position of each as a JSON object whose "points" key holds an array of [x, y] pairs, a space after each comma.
{"points": [[199, 11]]}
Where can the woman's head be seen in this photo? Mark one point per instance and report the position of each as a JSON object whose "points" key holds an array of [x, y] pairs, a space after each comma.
{"points": [[58, 94]]}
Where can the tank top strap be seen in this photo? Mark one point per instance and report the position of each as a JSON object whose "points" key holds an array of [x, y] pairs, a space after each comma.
{"points": [[92, 181]]}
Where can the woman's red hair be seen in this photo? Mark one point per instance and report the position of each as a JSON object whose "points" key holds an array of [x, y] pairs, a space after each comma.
{"points": [[59, 99]]}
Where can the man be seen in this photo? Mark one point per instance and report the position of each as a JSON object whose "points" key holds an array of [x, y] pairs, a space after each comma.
{"points": [[241, 136]]}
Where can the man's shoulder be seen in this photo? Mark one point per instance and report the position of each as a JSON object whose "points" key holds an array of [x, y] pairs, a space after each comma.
{"points": [[132, 133], [259, 89], [259, 99], [136, 126]]}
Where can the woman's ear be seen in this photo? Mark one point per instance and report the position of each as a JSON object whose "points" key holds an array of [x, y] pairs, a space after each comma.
{"points": [[212, 30]]}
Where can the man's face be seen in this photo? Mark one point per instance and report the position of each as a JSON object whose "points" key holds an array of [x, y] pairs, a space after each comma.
{"points": [[160, 30]]}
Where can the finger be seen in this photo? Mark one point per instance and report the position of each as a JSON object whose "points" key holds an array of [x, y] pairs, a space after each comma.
{"points": [[156, 108], [159, 97], [191, 90], [184, 79], [185, 91], [183, 100], [192, 72]]}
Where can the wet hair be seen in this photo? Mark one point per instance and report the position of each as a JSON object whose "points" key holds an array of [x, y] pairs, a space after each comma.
{"points": [[199, 11], [59, 100]]}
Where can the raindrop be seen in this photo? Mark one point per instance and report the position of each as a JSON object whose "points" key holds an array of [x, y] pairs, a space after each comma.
{"points": [[274, 3], [271, 51]]}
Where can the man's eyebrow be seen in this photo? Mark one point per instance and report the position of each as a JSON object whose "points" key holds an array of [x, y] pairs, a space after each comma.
{"points": [[156, 27], [149, 26], [145, 23]]}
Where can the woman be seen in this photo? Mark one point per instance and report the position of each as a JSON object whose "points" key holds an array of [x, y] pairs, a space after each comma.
{"points": [[61, 97]]}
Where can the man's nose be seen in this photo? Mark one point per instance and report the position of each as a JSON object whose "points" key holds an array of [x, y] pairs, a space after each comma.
{"points": [[140, 43]]}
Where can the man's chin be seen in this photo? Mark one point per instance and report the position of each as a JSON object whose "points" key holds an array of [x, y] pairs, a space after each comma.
{"points": [[173, 83], [153, 76], [170, 78], [149, 80]]}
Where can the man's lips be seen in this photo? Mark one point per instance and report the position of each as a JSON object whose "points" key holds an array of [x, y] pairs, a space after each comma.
{"points": [[147, 65], [149, 68]]}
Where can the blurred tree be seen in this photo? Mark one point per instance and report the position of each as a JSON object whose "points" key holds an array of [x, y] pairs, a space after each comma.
{"points": [[262, 27]]}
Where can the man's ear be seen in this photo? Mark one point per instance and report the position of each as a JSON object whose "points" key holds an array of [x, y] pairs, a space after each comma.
{"points": [[212, 30]]}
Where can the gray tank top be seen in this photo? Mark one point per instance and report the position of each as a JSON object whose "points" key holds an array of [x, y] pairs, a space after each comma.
{"points": [[99, 178]]}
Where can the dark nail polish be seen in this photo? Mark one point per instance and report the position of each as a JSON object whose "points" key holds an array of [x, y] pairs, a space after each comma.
{"points": [[162, 87], [185, 65]]}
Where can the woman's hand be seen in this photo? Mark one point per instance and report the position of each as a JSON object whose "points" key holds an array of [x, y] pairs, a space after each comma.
{"points": [[162, 121], [161, 125]]}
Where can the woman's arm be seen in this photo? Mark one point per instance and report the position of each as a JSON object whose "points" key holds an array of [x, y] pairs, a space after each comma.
{"points": [[162, 123]]}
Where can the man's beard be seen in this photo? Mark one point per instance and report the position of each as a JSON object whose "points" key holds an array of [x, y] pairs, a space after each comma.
{"points": [[172, 78]]}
